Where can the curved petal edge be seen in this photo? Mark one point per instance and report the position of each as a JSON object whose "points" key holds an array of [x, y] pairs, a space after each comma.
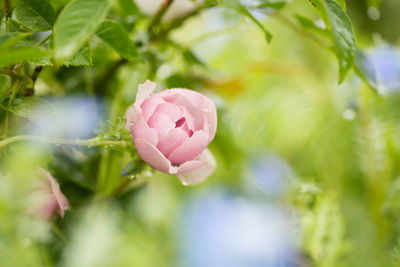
{"points": [[199, 174], [150, 154]]}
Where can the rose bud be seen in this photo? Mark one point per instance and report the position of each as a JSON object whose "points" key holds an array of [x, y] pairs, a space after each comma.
{"points": [[46, 198], [172, 130]]}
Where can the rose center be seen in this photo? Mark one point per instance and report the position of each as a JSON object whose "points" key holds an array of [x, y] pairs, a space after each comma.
{"points": [[181, 123]]}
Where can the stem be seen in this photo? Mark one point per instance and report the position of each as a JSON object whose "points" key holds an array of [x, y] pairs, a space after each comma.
{"points": [[213, 34], [302, 32], [30, 90], [13, 94], [121, 187], [7, 8], [176, 23], [13, 74], [101, 84], [44, 40], [58, 233], [64, 141], [36, 73], [102, 177], [160, 13]]}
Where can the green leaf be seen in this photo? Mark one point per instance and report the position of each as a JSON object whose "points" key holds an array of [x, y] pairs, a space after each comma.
{"points": [[127, 7], [5, 36], [41, 61], [17, 55], [81, 58], [319, 6], [343, 37], [341, 31], [342, 3], [236, 5], [308, 24], [324, 231], [37, 15], [5, 83], [10, 38], [114, 35], [14, 26], [277, 4], [110, 130], [14, 49], [191, 58], [25, 106], [75, 25]]}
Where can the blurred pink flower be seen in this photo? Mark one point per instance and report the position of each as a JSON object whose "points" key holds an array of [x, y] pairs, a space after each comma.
{"points": [[46, 198], [172, 130]]}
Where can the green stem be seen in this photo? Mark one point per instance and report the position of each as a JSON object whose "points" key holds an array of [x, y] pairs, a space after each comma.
{"points": [[63, 141], [13, 94], [302, 32], [101, 84], [44, 40], [58, 233], [160, 13], [213, 34], [176, 23], [13, 74]]}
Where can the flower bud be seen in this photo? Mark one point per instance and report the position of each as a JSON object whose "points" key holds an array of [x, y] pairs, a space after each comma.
{"points": [[172, 130]]}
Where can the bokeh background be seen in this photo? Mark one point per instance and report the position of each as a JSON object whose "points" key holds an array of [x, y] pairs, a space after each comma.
{"points": [[308, 170]]}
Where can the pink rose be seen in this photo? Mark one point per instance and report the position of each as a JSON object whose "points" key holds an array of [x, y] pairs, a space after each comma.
{"points": [[172, 130], [47, 199]]}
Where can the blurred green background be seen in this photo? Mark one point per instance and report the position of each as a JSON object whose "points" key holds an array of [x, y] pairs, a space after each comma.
{"points": [[308, 170]]}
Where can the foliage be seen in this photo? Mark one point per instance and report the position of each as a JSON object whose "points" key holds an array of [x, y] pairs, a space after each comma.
{"points": [[69, 69]]}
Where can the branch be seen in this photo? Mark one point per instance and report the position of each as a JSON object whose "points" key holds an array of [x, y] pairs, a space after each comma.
{"points": [[7, 8], [302, 32], [14, 74], [176, 23], [101, 83], [64, 141], [44, 39], [160, 13]]}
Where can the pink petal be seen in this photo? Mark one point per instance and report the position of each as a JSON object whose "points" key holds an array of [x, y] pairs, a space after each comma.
{"points": [[172, 140], [46, 207], [202, 104], [189, 119], [144, 91], [154, 157], [161, 122], [130, 117], [206, 128], [211, 124], [190, 166], [150, 104], [199, 174], [196, 116], [190, 149], [185, 127], [56, 192], [197, 99], [173, 111], [141, 130]]}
